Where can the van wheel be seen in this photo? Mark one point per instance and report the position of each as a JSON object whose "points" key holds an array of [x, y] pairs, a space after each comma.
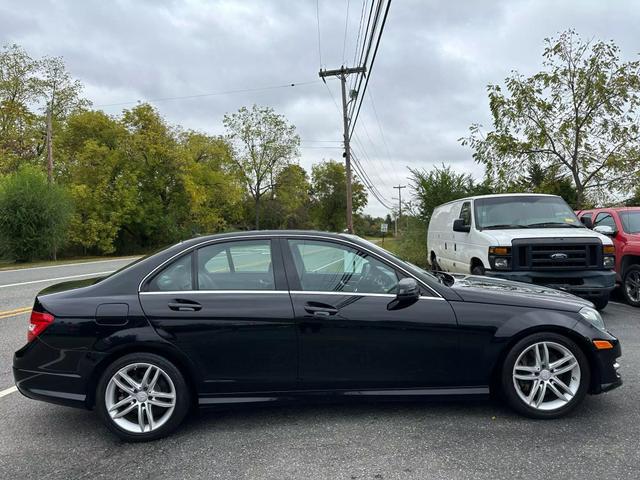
{"points": [[600, 302], [434, 265], [477, 269], [631, 285]]}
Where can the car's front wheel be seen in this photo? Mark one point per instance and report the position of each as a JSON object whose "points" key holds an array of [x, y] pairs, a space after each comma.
{"points": [[545, 375], [142, 396]]}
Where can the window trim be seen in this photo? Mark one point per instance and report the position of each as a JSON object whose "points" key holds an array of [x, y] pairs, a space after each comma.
{"points": [[277, 249]]}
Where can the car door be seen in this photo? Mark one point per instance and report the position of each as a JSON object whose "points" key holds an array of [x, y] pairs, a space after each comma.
{"points": [[350, 335], [226, 305]]}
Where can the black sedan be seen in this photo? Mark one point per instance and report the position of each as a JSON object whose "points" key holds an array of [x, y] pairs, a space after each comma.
{"points": [[260, 317]]}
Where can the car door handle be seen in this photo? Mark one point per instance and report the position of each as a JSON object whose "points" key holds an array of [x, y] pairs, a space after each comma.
{"points": [[185, 306], [321, 310]]}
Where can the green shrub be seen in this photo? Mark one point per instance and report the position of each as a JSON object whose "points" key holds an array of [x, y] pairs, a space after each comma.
{"points": [[412, 243], [34, 215]]}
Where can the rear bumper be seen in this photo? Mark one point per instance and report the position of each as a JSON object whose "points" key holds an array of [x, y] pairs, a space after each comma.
{"points": [[44, 373], [583, 283]]}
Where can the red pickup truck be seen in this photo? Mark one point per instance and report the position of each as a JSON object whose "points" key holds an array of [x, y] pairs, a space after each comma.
{"points": [[622, 224]]}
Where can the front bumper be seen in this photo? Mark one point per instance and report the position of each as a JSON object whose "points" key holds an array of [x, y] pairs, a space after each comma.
{"points": [[604, 365], [583, 283]]}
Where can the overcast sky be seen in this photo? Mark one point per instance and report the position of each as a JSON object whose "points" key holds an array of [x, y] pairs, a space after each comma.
{"points": [[428, 84]]}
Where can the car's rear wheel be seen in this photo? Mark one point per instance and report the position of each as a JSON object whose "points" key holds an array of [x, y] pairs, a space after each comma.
{"points": [[631, 285], [142, 396], [545, 375]]}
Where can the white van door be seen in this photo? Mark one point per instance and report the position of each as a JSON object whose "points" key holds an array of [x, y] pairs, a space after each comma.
{"points": [[445, 251], [462, 240]]}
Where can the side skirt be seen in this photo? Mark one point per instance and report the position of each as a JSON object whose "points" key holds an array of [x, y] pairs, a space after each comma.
{"points": [[336, 395]]}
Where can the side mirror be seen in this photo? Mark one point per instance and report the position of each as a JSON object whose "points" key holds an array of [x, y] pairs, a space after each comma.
{"points": [[408, 293], [459, 226], [587, 222], [605, 230]]}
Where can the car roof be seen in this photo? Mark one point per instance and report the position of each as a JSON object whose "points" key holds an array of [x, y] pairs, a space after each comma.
{"points": [[615, 209], [265, 233]]}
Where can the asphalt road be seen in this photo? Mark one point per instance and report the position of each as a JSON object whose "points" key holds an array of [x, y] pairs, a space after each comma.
{"points": [[445, 440]]}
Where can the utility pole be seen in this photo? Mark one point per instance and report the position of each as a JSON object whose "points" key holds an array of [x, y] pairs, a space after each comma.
{"points": [[399, 187], [342, 72], [49, 147]]}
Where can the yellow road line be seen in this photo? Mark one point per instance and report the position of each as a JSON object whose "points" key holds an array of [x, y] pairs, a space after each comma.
{"points": [[14, 312]]}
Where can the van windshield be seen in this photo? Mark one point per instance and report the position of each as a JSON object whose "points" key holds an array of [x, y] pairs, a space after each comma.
{"points": [[524, 212]]}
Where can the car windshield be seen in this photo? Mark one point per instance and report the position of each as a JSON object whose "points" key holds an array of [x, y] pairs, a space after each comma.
{"points": [[630, 221], [524, 212]]}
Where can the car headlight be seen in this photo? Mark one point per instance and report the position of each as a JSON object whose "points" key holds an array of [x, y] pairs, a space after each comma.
{"points": [[593, 316], [609, 261]]}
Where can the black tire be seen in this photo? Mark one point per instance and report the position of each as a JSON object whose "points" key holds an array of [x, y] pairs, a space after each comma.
{"points": [[507, 380], [434, 265], [631, 272], [600, 302], [477, 269], [182, 396]]}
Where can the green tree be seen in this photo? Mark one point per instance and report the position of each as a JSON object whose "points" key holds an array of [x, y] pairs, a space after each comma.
{"points": [[437, 186], [578, 115], [151, 151], [212, 186], [264, 144], [330, 195], [100, 180], [541, 180], [20, 137], [33, 215]]}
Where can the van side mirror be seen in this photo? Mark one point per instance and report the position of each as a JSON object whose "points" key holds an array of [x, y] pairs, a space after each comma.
{"points": [[587, 222], [459, 226], [408, 293]]}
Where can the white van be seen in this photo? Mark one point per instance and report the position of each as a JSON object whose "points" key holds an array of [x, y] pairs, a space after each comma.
{"points": [[531, 238]]}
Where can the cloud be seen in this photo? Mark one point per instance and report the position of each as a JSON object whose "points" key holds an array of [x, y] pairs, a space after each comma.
{"points": [[428, 84]]}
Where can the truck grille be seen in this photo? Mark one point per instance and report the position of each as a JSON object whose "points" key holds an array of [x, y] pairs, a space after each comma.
{"points": [[556, 254]]}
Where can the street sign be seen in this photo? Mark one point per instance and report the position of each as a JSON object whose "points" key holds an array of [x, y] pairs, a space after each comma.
{"points": [[384, 227]]}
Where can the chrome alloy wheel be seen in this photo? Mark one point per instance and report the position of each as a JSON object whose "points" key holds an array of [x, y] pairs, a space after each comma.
{"points": [[546, 376], [140, 398], [632, 285]]}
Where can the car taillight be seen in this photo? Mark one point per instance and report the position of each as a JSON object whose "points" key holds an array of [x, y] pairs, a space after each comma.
{"points": [[38, 323]]}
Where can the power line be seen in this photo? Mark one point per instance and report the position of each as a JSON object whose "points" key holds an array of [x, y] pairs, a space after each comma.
{"points": [[355, 55], [373, 59], [346, 29], [318, 22], [367, 39], [212, 94]]}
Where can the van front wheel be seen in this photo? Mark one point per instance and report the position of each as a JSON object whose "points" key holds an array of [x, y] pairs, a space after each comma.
{"points": [[477, 269]]}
